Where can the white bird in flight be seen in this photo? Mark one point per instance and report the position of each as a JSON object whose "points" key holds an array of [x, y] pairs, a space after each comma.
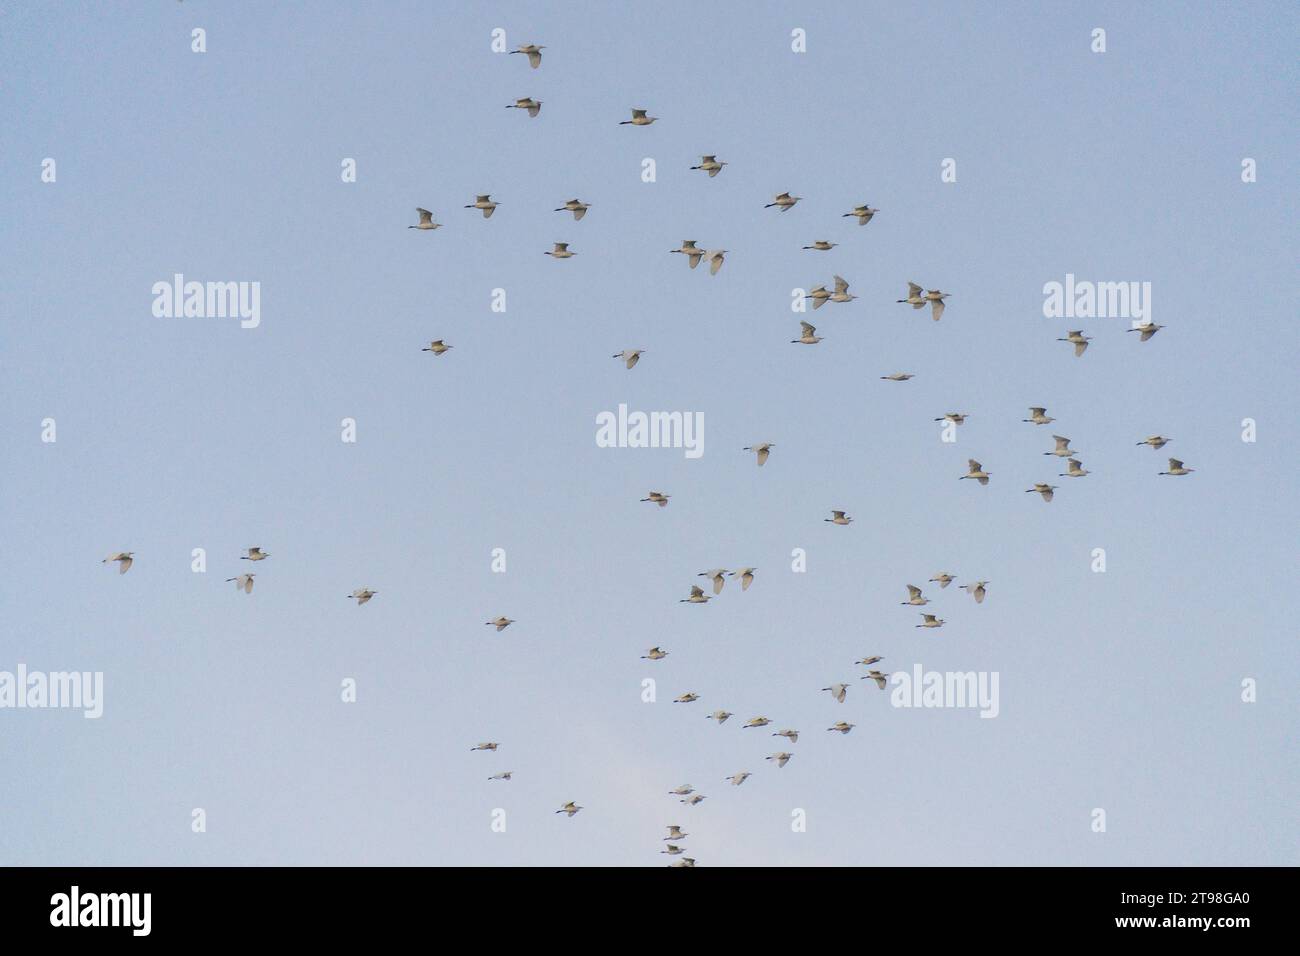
{"points": [[822, 245], [255, 554], [244, 581], [697, 596], [570, 808], [1156, 441], [784, 202], [838, 517], [1043, 489], [639, 118], [736, 779], [720, 716], [878, 677], [862, 213], [841, 293], [716, 258], [781, 758], [757, 722], [629, 356], [500, 623], [1147, 329], [527, 103], [710, 165], [1038, 416], [935, 298], [489, 745], [533, 52], [1078, 340], [1176, 467], [762, 450], [914, 297], [658, 498], [717, 576], [809, 336], [688, 698], [484, 203], [1062, 449], [1074, 469], [915, 597], [930, 620], [976, 590], [362, 595], [577, 207], [790, 735], [897, 377], [437, 347], [842, 727], [977, 472], [943, 579], [838, 691], [561, 251], [426, 220], [654, 654], [690, 251], [123, 559], [746, 576]]}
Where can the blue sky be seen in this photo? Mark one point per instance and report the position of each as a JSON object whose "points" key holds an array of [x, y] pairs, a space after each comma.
{"points": [[1118, 690]]}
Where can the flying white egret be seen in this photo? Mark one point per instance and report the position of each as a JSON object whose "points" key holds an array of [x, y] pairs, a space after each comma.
{"points": [[362, 595], [660, 499], [878, 677], [255, 554], [561, 251], [781, 758], [943, 579], [1147, 329], [822, 245], [976, 590], [977, 472], [914, 297], [1074, 469], [639, 118], [710, 165], [1038, 416], [500, 623], [1176, 468], [123, 559], [570, 808], [527, 103], [762, 451], [697, 596], [687, 698], [690, 251], [244, 581], [1078, 340], [426, 220], [838, 691], [842, 727], [861, 213], [1156, 441], [533, 52], [930, 620], [736, 779], [915, 597], [437, 347], [785, 202], [577, 207], [654, 654], [809, 336], [629, 356], [756, 722], [484, 203], [746, 576], [1043, 489], [838, 517]]}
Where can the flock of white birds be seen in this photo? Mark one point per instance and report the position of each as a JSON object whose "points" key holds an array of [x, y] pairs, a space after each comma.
{"points": [[917, 297]]}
